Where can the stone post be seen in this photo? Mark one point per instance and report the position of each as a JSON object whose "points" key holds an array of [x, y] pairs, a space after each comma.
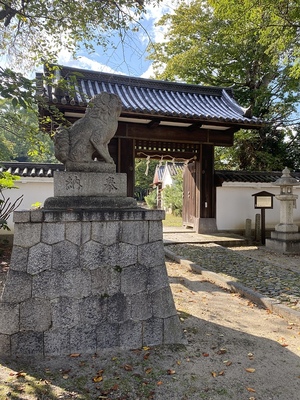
{"points": [[248, 231]]}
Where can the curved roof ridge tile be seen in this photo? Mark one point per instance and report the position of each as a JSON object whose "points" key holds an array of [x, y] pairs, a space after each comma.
{"points": [[150, 99], [141, 100], [203, 106], [233, 104], [122, 94], [191, 103], [172, 99]]}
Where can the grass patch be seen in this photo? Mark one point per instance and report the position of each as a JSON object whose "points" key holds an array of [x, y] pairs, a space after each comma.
{"points": [[172, 220]]}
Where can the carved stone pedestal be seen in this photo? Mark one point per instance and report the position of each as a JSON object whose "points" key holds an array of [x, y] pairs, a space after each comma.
{"points": [[89, 190], [82, 280], [286, 238], [284, 242]]}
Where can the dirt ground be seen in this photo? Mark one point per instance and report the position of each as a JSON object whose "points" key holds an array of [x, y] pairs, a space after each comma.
{"points": [[235, 350]]}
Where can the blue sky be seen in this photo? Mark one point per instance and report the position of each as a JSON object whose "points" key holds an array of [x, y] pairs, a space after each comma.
{"points": [[129, 57]]}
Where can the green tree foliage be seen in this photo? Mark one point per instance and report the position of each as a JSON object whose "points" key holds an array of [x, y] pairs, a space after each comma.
{"points": [[275, 24], [20, 136], [173, 195], [39, 29], [144, 172], [151, 199], [32, 33], [228, 43]]}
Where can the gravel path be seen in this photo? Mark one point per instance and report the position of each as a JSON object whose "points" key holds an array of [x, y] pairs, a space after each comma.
{"points": [[273, 275]]}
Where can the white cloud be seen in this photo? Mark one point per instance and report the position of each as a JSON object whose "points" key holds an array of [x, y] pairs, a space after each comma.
{"points": [[148, 73], [83, 62], [154, 14], [157, 11]]}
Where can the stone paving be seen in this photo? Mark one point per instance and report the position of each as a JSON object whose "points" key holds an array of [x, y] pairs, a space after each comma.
{"points": [[266, 277]]}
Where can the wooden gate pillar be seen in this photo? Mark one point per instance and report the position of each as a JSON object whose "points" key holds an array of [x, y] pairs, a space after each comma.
{"points": [[205, 221], [125, 163]]}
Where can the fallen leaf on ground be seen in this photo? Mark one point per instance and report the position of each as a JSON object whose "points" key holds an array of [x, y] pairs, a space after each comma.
{"points": [[148, 370], [128, 367], [75, 355], [251, 390], [250, 370], [171, 372], [98, 378], [100, 372]]}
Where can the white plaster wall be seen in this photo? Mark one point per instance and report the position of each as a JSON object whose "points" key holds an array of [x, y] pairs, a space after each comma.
{"points": [[167, 179], [235, 204], [34, 190]]}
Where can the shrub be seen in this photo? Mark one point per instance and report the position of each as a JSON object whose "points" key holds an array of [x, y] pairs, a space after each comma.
{"points": [[7, 181], [151, 199], [173, 195]]}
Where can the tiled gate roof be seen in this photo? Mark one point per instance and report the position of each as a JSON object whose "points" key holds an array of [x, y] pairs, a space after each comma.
{"points": [[251, 176], [32, 170], [148, 97]]}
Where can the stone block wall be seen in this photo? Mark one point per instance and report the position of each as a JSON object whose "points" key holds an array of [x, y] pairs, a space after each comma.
{"points": [[85, 280]]}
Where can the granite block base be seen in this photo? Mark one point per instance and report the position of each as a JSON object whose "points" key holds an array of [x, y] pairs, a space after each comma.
{"points": [[84, 280], [285, 243]]}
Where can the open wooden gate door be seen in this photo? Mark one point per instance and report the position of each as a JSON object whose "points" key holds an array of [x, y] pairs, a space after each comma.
{"points": [[199, 198]]}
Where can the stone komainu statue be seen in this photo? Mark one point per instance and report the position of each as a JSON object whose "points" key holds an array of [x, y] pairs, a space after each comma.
{"points": [[88, 138]]}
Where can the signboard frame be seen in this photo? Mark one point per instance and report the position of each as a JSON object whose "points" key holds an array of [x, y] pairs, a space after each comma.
{"points": [[263, 200]]}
